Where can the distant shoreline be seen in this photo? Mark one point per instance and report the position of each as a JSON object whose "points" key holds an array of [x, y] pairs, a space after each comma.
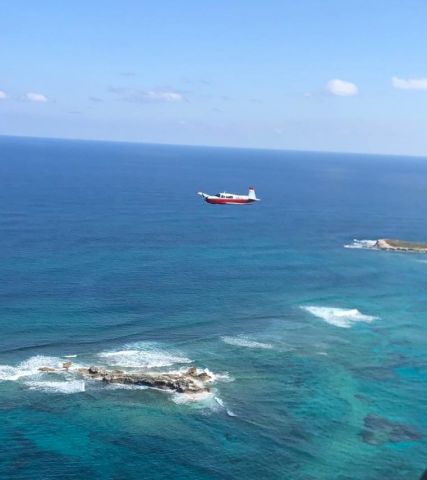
{"points": [[389, 245], [401, 245]]}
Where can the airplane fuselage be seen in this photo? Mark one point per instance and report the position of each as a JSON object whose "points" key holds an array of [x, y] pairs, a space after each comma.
{"points": [[225, 198]]}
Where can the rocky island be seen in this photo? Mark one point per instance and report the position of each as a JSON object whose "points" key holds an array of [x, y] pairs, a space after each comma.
{"points": [[400, 245], [189, 381]]}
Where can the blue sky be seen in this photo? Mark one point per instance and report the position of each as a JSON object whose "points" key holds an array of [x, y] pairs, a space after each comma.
{"points": [[310, 75]]}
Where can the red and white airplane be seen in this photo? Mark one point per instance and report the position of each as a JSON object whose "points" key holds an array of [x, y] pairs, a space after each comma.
{"points": [[225, 198]]}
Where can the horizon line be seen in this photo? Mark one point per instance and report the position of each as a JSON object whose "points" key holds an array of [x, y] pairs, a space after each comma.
{"points": [[271, 149]]}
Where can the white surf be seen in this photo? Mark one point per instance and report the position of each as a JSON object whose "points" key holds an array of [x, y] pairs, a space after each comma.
{"points": [[366, 244], [66, 387], [142, 355], [340, 317], [245, 342]]}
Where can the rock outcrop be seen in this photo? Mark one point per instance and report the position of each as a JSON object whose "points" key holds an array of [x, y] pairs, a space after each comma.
{"points": [[185, 382], [189, 381], [400, 245]]}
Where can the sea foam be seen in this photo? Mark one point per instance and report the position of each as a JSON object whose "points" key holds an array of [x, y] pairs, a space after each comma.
{"points": [[216, 377], [142, 355], [340, 317], [67, 387], [190, 398], [245, 342], [221, 403], [367, 244], [28, 367], [205, 400], [223, 377]]}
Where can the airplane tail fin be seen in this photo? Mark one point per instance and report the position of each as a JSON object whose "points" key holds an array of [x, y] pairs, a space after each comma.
{"points": [[252, 194]]}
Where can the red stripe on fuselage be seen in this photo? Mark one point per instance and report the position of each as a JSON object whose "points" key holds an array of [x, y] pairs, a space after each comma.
{"points": [[228, 201]]}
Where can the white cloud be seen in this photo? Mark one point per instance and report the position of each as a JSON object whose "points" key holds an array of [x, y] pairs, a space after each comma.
{"points": [[36, 97], [410, 83], [163, 96], [2, 95], [149, 96], [342, 88]]}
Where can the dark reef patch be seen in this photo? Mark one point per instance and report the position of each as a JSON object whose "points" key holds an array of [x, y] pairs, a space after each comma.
{"points": [[379, 430]]}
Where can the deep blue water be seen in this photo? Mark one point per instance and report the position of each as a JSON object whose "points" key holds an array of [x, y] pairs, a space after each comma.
{"points": [[107, 254]]}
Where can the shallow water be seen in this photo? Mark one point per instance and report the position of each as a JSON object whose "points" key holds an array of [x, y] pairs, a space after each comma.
{"points": [[318, 351]]}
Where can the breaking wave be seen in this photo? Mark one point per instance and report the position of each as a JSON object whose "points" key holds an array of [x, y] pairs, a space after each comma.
{"points": [[361, 244], [219, 377], [216, 377], [245, 342], [207, 400], [67, 387], [28, 367], [340, 317], [142, 355], [186, 398], [222, 404]]}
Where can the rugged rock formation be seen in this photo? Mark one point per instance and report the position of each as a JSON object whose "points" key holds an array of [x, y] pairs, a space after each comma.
{"points": [[186, 382], [189, 381], [400, 245], [95, 371]]}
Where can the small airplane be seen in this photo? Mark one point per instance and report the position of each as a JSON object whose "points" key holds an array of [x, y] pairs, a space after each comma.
{"points": [[225, 198]]}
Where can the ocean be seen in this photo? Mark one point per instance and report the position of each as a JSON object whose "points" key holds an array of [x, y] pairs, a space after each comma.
{"points": [[318, 352]]}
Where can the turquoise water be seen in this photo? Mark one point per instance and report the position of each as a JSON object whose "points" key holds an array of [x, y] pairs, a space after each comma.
{"points": [[319, 351]]}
